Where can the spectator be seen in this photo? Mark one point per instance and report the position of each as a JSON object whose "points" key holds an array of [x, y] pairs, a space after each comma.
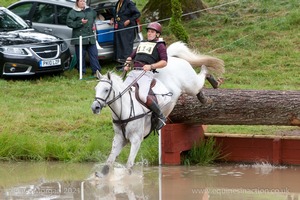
{"points": [[81, 19], [125, 16]]}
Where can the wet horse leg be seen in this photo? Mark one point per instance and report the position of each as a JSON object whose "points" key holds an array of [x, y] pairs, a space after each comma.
{"points": [[118, 143], [135, 146]]}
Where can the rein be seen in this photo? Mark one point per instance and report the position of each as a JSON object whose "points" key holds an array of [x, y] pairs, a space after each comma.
{"points": [[126, 89]]}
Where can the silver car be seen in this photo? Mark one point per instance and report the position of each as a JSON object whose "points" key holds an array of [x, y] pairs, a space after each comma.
{"points": [[49, 16]]}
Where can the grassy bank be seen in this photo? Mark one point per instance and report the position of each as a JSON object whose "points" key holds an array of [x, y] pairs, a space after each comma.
{"points": [[49, 118]]}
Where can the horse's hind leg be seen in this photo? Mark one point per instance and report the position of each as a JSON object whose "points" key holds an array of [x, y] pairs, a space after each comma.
{"points": [[202, 98], [215, 83], [118, 143]]}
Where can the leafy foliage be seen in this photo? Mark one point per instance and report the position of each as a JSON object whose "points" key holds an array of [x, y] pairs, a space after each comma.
{"points": [[175, 23]]}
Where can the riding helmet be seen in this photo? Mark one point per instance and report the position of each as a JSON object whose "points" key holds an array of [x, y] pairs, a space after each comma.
{"points": [[155, 26]]}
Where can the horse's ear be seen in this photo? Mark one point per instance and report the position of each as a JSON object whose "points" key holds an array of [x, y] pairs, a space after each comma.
{"points": [[108, 75], [98, 74]]}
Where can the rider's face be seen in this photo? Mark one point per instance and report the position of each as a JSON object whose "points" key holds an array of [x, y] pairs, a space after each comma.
{"points": [[151, 34]]}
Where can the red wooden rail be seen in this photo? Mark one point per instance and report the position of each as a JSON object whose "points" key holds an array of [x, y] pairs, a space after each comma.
{"points": [[177, 138]]}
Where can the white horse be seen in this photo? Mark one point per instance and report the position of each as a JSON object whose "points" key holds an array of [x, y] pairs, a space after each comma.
{"points": [[131, 120]]}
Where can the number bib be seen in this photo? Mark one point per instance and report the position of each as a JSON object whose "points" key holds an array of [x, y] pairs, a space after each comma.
{"points": [[146, 47]]}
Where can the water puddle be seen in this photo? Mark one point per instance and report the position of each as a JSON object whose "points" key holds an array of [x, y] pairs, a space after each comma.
{"points": [[40, 181]]}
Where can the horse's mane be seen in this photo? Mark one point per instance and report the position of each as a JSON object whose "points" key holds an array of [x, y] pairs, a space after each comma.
{"points": [[116, 79]]}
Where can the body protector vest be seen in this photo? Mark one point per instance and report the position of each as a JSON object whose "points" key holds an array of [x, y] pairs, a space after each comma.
{"points": [[147, 52]]}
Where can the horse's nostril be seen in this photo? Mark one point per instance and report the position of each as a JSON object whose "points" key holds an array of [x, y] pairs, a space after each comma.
{"points": [[96, 107]]}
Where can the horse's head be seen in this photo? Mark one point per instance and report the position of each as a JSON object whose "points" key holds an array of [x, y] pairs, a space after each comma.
{"points": [[104, 93]]}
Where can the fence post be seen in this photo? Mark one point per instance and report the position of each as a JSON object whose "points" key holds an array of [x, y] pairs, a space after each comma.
{"points": [[80, 57]]}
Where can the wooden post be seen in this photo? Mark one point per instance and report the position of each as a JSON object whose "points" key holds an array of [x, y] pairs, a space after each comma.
{"points": [[177, 138], [277, 151]]}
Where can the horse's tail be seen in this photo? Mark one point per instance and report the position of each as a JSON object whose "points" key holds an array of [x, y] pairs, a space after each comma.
{"points": [[180, 50]]}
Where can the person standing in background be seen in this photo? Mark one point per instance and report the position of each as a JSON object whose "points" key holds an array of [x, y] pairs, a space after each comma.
{"points": [[81, 19], [125, 16]]}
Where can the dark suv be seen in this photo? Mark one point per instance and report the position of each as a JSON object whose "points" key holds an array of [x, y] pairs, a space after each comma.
{"points": [[24, 51], [50, 16]]}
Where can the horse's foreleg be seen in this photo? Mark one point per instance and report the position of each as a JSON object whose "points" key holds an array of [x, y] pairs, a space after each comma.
{"points": [[135, 146], [118, 143]]}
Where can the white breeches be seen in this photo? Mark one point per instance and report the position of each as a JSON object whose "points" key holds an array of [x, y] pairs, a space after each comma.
{"points": [[144, 82]]}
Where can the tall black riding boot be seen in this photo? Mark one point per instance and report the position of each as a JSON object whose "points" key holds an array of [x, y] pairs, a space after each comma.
{"points": [[161, 118]]}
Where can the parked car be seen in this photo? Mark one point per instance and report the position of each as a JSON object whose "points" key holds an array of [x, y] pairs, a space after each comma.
{"points": [[50, 16], [24, 51]]}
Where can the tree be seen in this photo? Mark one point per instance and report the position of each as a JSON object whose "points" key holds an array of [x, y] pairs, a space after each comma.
{"points": [[161, 10], [175, 22]]}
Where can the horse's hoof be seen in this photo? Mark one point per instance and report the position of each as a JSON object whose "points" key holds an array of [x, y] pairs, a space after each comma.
{"points": [[129, 171], [105, 170], [202, 98]]}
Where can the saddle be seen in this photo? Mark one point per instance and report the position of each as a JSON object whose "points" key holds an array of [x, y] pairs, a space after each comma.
{"points": [[151, 94]]}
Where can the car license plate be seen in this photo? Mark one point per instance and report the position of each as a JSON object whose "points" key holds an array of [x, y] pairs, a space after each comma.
{"points": [[47, 63]]}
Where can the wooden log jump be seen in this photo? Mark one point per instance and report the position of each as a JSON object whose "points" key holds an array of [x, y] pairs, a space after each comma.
{"points": [[235, 107], [240, 107]]}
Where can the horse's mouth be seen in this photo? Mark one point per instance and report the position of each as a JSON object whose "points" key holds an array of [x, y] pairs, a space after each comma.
{"points": [[96, 107]]}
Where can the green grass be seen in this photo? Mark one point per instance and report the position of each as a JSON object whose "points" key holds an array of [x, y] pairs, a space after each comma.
{"points": [[6, 3], [49, 118], [204, 153]]}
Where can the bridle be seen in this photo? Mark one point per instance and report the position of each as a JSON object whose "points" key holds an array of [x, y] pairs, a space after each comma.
{"points": [[99, 99]]}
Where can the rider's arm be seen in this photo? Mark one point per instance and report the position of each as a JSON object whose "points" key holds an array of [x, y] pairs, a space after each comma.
{"points": [[129, 60], [159, 64]]}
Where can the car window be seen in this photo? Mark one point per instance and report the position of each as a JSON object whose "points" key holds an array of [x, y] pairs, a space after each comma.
{"points": [[44, 13], [62, 13], [104, 14], [22, 10], [10, 23]]}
